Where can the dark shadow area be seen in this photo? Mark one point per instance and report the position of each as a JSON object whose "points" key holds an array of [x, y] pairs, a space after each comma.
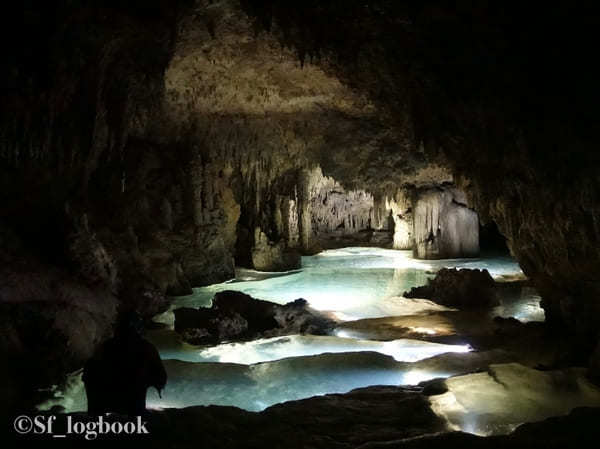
{"points": [[491, 240]]}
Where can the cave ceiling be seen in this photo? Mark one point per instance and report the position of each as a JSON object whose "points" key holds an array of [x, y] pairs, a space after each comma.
{"points": [[239, 94]]}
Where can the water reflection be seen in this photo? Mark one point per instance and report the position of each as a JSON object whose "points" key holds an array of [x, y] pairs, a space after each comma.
{"points": [[354, 283]]}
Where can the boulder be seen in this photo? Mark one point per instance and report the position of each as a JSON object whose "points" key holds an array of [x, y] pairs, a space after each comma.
{"points": [[463, 288], [235, 316]]}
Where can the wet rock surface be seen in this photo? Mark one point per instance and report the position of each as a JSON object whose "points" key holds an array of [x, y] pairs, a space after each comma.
{"points": [[462, 288], [504, 396], [235, 316], [397, 417]]}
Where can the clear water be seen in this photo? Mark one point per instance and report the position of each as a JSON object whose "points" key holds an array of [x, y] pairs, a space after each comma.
{"points": [[257, 386], [524, 306], [277, 348], [352, 283]]}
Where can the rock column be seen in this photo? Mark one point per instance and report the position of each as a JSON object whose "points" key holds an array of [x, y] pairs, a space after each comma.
{"points": [[444, 227]]}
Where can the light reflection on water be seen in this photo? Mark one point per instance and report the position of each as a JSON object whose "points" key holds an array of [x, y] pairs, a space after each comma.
{"points": [[270, 349], [354, 283]]}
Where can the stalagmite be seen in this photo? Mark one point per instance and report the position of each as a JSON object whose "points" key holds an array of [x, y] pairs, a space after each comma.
{"points": [[304, 209]]}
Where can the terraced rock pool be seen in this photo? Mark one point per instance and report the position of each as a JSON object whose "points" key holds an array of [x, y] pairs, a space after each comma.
{"points": [[351, 284]]}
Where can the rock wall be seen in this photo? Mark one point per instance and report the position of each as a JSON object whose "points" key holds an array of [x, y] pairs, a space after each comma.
{"points": [[444, 227], [76, 182], [395, 213], [51, 320], [270, 256], [79, 182], [334, 209]]}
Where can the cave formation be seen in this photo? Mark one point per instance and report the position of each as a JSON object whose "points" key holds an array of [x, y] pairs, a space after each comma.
{"points": [[150, 149]]}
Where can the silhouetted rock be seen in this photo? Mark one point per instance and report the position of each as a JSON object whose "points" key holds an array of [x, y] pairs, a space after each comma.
{"points": [[463, 288], [237, 316]]}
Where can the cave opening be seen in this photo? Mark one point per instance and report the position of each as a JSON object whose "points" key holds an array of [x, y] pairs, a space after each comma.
{"points": [[491, 240], [313, 208]]}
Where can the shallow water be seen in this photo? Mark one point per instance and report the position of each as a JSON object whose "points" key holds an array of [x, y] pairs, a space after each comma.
{"points": [[524, 306], [352, 283], [258, 386], [277, 348]]}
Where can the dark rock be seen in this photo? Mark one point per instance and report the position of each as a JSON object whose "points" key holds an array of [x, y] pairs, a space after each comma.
{"points": [[463, 288], [594, 365], [369, 418], [235, 316], [434, 387], [49, 327]]}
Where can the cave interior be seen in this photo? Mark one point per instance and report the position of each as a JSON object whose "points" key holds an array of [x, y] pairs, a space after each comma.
{"points": [[343, 223]]}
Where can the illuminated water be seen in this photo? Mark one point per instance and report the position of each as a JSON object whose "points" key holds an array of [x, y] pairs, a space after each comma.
{"points": [[270, 349], [351, 283], [255, 387], [524, 306]]}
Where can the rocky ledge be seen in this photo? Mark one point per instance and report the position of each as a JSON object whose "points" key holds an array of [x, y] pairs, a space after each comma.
{"points": [[459, 288], [397, 417], [235, 316]]}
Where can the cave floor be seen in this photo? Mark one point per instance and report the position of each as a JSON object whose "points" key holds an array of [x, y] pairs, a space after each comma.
{"points": [[391, 352]]}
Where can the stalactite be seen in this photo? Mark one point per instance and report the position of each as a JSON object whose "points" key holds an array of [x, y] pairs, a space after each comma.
{"points": [[442, 227]]}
